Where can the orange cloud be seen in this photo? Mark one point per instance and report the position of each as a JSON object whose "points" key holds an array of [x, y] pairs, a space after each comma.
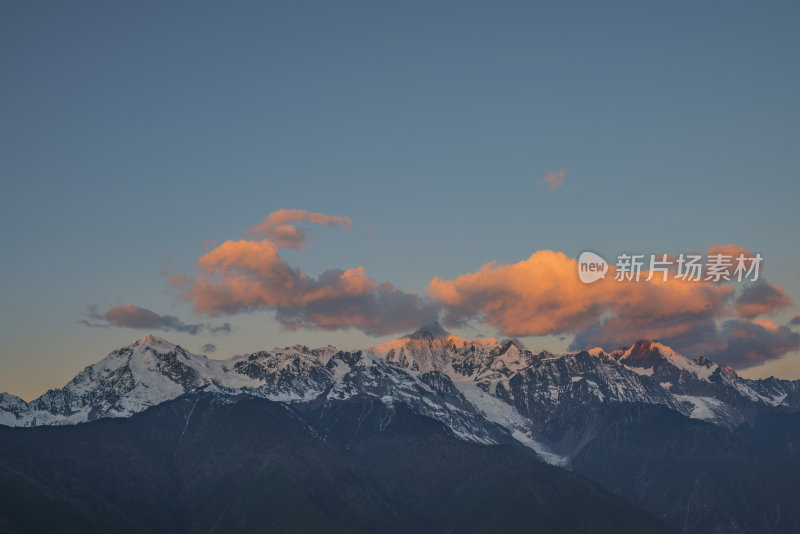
{"points": [[554, 179], [764, 323], [543, 295], [239, 275], [729, 250], [245, 275], [277, 226], [734, 251]]}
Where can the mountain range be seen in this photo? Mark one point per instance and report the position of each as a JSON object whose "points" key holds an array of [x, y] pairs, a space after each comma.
{"points": [[687, 444]]}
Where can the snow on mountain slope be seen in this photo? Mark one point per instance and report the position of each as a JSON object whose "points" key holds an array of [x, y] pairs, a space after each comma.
{"points": [[539, 385], [484, 390], [646, 357], [431, 393], [152, 370], [127, 381], [432, 349], [11, 408], [292, 374], [725, 397], [780, 392], [510, 372]]}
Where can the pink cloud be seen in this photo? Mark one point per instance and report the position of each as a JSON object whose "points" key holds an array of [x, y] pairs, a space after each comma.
{"points": [[246, 275], [242, 275], [543, 295], [554, 179], [277, 226]]}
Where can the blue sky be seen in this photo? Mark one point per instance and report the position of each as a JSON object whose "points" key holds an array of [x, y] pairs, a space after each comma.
{"points": [[131, 133]]}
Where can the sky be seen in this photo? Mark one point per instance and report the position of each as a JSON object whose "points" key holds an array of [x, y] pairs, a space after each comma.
{"points": [[239, 177]]}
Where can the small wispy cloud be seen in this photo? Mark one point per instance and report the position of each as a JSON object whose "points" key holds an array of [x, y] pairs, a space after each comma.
{"points": [[554, 179], [130, 316], [280, 226]]}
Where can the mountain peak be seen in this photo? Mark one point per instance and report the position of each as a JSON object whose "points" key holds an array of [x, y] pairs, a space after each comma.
{"points": [[649, 354], [513, 341], [645, 344], [430, 332], [644, 353], [149, 341]]}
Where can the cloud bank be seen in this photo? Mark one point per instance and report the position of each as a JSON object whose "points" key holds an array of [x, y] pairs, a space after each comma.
{"points": [[541, 295], [248, 275]]}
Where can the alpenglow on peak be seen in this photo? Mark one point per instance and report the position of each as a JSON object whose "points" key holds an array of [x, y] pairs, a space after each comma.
{"points": [[430, 331]]}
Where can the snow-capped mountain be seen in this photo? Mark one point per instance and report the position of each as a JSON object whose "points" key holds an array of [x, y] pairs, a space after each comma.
{"points": [[484, 390], [707, 391], [152, 370]]}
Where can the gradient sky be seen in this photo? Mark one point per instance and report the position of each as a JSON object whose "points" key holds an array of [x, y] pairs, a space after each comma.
{"points": [[133, 133]]}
